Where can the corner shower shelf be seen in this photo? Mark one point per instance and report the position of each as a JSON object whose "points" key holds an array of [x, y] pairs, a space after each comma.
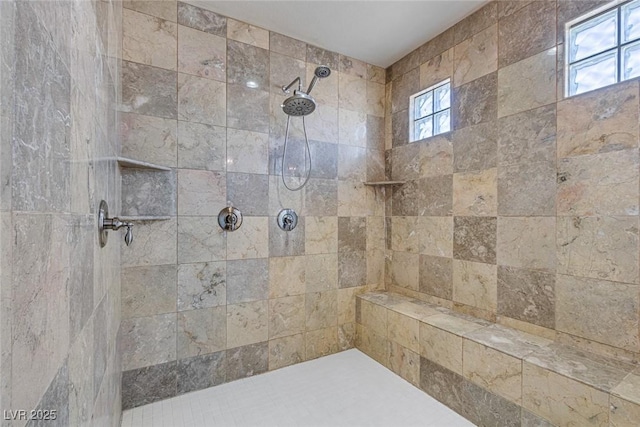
{"points": [[125, 162], [383, 183]]}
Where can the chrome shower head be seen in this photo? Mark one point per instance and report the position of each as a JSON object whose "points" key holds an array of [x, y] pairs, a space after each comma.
{"points": [[300, 104], [321, 72]]}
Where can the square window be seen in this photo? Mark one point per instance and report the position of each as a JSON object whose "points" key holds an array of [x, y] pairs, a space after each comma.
{"points": [[430, 111], [603, 47]]}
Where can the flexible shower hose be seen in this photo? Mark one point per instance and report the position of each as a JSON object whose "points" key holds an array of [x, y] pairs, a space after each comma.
{"points": [[307, 154]]}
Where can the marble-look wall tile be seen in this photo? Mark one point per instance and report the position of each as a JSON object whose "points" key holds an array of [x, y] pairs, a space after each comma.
{"points": [[247, 323], [201, 19], [623, 412], [287, 46], [436, 234], [286, 276], [287, 350], [247, 108], [475, 102], [599, 184], [320, 342], [544, 393], [284, 69], [441, 347], [249, 241], [249, 34], [155, 244], [400, 128], [199, 372], [148, 384], [527, 295], [202, 54], [485, 408], [475, 284], [578, 299], [286, 243], [600, 247], [321, 234], [475, 148], [202, 100], [475, 193], [442, 384], [436, 276], [201, 285], [321, 197], [247, 361], [148, 290], [437, 69], [152, 139], [403, 88], [402, 270], [321, 310], [148, 341], [247, 151], [493, 370], [149, 40], [200, 192], [317, 55], [428, 196], [376, 74], [598, 122], [353, 128], [148, 192], [526, 32], [474, 239], [249, 193], [527, 189], [247, 280], [476, 56], [200, 239], [321, 272], [201, 331], [286, 316], [165, 10], [375, 99], [247, 65], [476, 22], [352, 163], [149, 90], [528, 137], [403, 330], [201, 146], [527, 84], [527, 242], [405, 363], [55, 399]]}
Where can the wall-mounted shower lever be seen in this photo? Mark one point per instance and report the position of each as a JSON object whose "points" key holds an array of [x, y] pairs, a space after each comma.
{"points": [[287, 219], [105, 224], [230, 219]]}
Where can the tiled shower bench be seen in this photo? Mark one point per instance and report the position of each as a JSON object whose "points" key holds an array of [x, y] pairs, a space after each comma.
{"points": [[494, 375]]}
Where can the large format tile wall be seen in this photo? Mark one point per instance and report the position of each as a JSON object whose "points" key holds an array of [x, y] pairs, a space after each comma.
{"points": [[527, 212], [60, 292], [200, 306]]}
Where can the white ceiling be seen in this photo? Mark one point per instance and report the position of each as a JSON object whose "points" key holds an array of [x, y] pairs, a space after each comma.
{"points": [[377, 32]]}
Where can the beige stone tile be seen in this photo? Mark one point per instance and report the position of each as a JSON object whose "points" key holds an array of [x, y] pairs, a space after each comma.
{"points": [[475, 284], [437, 69], [527, 84], [247, 323], [155, 244], [629, 388], [372, 344], [375, 99], [202, 100], [403, 330], [202, 54], [623, 413], [495, 371], [455, 323], [352, 92], [149, 40], [476, 56], [248, 34], [201, 193], [441, 347], [374, 317], [152, 139], [436, 235], [354, 199], [321, 342], [165, 9], [598, 184], [247, 151], [148, 290], [286, 316], [201, 146], [603, 311], [321, 234], [321, 272], [286, 351], [404, 234], [562, 401], [352, 129], [405, 363], [147, 341], [321, 310], [423, 159], [402, 270], [600, 121], [375, 232], [286, 276], [201, 331], [251, 240], [347, 304], [599, 247], [476, 193], [527, 242]]}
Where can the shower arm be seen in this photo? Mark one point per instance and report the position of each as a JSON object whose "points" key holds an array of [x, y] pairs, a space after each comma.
{"points": [[285, 89]]}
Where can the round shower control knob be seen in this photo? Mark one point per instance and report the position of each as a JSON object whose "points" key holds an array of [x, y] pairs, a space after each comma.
{"points": [[287, 219], [230, 219]]}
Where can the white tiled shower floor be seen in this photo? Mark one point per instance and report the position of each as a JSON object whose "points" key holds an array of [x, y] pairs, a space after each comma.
{"points": [[344, 389]]}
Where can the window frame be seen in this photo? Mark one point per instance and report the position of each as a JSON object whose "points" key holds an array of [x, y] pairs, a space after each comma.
{"points": [[412, 119], [613, 5]]}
